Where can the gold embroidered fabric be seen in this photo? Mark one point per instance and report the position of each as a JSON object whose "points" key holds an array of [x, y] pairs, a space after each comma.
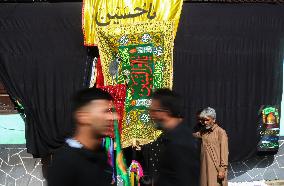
{"points": [[140, 56], [162, 37], [104, 13]]}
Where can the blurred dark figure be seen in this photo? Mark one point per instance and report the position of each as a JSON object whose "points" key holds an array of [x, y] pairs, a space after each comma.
{"points": [[82, 161], [179, 165]]}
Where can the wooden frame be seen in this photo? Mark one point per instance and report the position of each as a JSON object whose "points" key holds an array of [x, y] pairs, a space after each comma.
{"points": [[6, 105]]}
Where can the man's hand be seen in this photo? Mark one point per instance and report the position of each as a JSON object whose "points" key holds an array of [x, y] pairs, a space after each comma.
{"points": [[135, 144], [221, 175]]}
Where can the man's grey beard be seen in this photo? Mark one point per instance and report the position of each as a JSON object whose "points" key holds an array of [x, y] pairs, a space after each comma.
{"points": [[207, 127]]}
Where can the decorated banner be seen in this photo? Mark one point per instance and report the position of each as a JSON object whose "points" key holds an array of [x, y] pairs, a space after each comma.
{"points": [[104, 13], [135, 173], [140, 56], [269, 130]]}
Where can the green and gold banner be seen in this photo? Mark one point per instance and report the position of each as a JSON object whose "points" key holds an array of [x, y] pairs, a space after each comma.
{"points": [[141, 57]]}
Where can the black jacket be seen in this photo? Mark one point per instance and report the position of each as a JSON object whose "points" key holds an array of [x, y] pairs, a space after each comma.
{"points": [[79, 167], [179, 164]]}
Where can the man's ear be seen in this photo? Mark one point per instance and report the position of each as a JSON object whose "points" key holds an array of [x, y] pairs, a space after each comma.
{"points": [[82, 117]]}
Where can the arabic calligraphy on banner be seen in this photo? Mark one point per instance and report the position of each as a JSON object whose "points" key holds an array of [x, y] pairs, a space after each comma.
{"points": [[140, 56], [102, 13]]}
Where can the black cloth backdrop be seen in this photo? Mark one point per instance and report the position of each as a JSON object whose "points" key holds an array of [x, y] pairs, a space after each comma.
{"points": [[42, 63], [229, 57]]}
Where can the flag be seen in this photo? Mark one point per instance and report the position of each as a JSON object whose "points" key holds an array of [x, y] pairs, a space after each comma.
{"points": [[121, 168]]}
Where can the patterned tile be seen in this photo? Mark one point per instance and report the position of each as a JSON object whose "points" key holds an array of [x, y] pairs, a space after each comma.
{"points": [[29, 164], [2, 178], [10, 181], [18, 168], [18, 171], [35, 182], [25, 180], [259, 168], [5, 167], [4, 154]]}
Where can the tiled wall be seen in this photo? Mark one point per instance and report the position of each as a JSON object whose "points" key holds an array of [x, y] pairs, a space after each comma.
{"points": [[18, 168]]}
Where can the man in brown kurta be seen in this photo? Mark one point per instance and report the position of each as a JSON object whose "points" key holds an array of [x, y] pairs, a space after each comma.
{"points": [[214, 150]]}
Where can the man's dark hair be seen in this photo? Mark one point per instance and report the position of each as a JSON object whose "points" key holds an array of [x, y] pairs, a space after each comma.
{"points": [[170, 101], [85, 96]]}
